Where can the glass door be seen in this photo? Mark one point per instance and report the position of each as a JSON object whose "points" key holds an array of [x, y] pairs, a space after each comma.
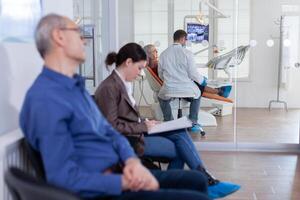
{"points": [[268, 104], [88, 14], [254, 51]]}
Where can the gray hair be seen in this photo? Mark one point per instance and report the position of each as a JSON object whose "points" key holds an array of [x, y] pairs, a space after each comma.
{"points": [[148, 48], [44, 30]]}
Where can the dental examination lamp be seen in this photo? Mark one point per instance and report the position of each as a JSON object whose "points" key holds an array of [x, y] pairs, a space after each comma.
{"points": [[201, 18], [220, 14], [229, 59]]}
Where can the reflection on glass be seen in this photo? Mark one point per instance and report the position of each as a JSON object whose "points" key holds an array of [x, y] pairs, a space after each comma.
{"points": [[287, 43], [253, 43], [270, 43], [18, 19]]}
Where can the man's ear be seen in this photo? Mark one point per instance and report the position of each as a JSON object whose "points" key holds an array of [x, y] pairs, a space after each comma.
{"points": [[182, 40], [57, 37]]}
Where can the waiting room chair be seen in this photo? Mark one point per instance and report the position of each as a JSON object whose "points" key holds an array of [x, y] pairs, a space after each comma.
{"points": [[36, 160], [25, 187], [150, 161]]}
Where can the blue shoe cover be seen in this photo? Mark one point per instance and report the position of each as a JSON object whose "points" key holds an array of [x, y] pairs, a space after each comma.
{"points": [[196, 128], [204, 83], [225, 91], [222, 189]]}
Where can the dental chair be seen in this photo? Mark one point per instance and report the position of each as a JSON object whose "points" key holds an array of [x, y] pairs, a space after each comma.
{"points": [[224, 62], [221, 106], [178, 105]]}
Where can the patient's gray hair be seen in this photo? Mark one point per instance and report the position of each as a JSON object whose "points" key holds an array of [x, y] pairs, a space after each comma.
{"points": [[148, 49], [44, 30]]}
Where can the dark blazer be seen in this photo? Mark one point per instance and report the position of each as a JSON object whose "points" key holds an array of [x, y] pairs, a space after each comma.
{"points": [[113, 101]]}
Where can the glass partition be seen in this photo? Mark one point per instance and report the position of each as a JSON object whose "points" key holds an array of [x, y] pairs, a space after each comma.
{"points": [[254, 51], [268, 104]]}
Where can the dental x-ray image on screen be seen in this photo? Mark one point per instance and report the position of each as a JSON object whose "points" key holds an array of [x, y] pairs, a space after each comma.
{"points": [[197, 32]]}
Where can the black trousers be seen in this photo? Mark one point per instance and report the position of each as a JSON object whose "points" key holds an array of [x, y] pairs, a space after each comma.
{"points": [[174, 185], [201, 87]]}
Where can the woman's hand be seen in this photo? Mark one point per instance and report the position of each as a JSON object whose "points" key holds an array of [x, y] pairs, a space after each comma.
{"points": [[151, 123]]}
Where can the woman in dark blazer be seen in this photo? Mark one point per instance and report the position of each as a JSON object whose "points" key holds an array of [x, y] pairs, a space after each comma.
{"points": [[115, 104], [114, 99]]}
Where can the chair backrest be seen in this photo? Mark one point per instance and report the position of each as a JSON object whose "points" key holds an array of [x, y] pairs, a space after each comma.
{"points": [[154, 81], [36, 160], [25, 187], [150, 162]]}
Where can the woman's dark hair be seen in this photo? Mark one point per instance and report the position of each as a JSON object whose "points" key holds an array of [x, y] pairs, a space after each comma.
{"points": [[130, 50]]}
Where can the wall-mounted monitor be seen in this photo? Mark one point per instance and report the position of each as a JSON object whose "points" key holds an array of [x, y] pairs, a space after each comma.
{"points": [[197, 32]]}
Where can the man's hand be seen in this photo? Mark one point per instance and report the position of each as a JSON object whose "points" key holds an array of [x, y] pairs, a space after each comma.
{"points": [[125, 183], [136, 177]]}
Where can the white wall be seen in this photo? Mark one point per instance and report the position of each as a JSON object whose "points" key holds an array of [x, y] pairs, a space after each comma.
{"points": [[110, 32], [20, 64], [60, 7], [126, 22], [126, 34]]}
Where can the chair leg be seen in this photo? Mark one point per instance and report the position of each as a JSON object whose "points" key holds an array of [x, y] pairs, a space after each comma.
{"points": [[159, 165], [179, 114]]}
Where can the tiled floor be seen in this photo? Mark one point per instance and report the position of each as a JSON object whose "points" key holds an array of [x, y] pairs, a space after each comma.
{"points": [[263, 176], [257, 125], [252, 125]]}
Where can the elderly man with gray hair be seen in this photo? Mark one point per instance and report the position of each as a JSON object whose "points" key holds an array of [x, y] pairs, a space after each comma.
{"points": [[81, 151]]}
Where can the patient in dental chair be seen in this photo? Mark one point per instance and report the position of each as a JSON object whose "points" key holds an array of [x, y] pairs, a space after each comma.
{"points": [[152, 54]]}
